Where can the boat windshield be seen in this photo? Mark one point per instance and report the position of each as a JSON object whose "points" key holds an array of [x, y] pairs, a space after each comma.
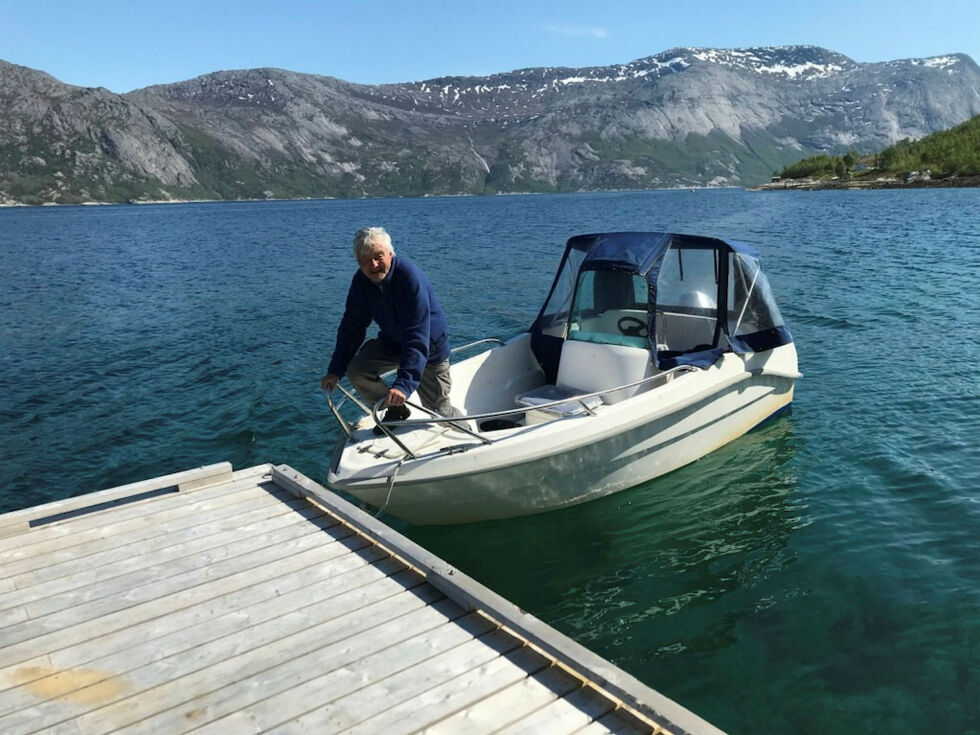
{"points": [[686, 298], [610, 307]]}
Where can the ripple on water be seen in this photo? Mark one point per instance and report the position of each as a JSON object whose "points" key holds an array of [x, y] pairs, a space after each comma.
{"points": [[816, 575]]}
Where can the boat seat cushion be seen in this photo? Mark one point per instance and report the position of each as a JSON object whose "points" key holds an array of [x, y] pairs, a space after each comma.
{"points": [[589, 367], [548, 393]]}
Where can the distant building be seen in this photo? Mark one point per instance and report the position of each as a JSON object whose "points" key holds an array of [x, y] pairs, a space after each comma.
{"points": [[925, 175]]}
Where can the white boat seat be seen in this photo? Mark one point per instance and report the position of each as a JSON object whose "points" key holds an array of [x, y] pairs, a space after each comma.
{"points": [[589, 367]]}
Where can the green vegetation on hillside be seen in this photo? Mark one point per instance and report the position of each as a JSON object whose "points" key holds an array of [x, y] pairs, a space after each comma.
{"points": [[821, 165], [953, 152], [47, 168]]}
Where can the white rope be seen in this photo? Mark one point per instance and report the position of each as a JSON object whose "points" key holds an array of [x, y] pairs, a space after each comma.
{"points": [[391, 486]]}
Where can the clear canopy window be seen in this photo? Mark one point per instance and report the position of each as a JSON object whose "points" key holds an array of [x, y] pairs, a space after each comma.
{"points": [[553, 320], [752, 307], [687, 300], [689, 280], [610, 307]]}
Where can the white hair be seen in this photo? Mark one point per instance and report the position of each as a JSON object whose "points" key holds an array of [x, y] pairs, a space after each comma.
{"points": [[367, 238]]}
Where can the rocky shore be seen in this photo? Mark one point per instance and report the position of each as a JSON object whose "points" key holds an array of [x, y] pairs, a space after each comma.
{"points": [[876, 183]]}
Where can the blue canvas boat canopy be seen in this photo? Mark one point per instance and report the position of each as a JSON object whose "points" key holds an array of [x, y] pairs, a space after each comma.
{"points": [[627, 287]]}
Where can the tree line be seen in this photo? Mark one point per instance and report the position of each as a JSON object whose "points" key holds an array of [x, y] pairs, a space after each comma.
{"points": [[949, 152]]}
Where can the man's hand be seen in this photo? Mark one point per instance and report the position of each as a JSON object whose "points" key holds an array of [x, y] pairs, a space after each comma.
{"points": [[395, 397], [329, 382]]}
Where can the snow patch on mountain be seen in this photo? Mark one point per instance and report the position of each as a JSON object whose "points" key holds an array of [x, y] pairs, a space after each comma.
{"points": [[791, 62]]}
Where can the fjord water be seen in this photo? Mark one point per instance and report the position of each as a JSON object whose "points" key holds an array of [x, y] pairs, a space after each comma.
{"points": [[818, 575]]}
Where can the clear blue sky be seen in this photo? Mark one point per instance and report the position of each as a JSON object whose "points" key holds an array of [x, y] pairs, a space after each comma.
{"points": [[127, 44]]}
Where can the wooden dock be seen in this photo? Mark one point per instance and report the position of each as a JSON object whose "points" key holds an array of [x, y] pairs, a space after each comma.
{"points": [[258, 601]]}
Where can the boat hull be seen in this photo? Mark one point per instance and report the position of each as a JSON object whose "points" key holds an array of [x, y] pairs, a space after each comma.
{"points": [[572, 460]]}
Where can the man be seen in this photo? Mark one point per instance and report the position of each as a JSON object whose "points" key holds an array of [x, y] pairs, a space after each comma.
{"points": [[394, 293]]}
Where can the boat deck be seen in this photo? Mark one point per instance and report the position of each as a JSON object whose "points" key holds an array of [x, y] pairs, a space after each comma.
{"points": [[255, 601]]}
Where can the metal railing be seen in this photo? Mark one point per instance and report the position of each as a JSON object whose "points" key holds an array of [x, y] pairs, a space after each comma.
{"points": [[461, 422], [487, 341], [373, 411], [385, 375]]}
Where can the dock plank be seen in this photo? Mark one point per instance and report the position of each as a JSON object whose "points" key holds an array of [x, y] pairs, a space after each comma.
{"points": [[141, 528], [183, 569], [90, 539], [55, 635], [509, 704], [221, 473], [134, 569], [180, 632], [172, 675], [49, 532], [127, 546], [337, 645], [395, 651], [391, 688], [116, 597], [562, 716], [453, 695], [185, 628]]}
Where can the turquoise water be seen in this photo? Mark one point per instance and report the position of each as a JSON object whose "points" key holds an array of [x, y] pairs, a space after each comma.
{"points": [[817, 575]]}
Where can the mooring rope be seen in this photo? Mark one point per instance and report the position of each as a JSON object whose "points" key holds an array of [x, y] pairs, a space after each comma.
{"points": [[391, 486]]}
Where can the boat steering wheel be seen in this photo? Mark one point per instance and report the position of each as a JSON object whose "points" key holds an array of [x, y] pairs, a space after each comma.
{"points": [[631, 326]]}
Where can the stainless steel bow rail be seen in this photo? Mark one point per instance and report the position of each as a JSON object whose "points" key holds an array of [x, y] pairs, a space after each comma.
{"points": [[462, 422]]}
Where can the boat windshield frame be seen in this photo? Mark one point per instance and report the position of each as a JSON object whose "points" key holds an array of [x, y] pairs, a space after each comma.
{"points": [[736, 287]]}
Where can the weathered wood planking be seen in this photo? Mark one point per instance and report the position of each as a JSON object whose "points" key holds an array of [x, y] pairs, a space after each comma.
{"points": [[17, 522], [257, 601]]}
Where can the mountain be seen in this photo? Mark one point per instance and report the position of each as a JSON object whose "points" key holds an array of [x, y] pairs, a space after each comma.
{"points": [[685, 117], [65, 143]]}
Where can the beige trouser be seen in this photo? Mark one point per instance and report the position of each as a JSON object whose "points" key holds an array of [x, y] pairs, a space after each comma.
{"points": [[373, 359]]}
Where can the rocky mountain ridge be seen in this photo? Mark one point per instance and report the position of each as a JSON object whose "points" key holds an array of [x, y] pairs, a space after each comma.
{"points": [[684, 117]]}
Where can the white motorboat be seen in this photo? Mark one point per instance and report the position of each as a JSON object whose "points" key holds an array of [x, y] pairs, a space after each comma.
{"points": [[651, 350]]}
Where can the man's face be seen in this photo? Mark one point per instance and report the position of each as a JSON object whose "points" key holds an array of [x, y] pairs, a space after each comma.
{"points": [[376, 263]]}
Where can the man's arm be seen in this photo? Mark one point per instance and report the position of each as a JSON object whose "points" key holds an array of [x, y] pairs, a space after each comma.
{"points": [[350, 335], [414, 312]]}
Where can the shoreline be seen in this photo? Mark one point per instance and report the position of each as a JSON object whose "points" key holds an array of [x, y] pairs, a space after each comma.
{"points": [[787, 185], [10, 203], [959, 182]]}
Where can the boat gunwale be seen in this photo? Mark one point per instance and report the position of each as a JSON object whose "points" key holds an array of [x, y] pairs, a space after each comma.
{"points": [[361, 489]]}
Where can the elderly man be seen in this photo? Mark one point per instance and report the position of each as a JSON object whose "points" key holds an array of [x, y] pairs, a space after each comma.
{"points": [[394, 293]]}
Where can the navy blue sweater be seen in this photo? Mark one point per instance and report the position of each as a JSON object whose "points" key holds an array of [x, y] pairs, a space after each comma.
{"points": [[412, 324]]}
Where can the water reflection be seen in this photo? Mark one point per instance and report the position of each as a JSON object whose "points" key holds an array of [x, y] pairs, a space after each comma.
{"points": [[607, 572]]}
